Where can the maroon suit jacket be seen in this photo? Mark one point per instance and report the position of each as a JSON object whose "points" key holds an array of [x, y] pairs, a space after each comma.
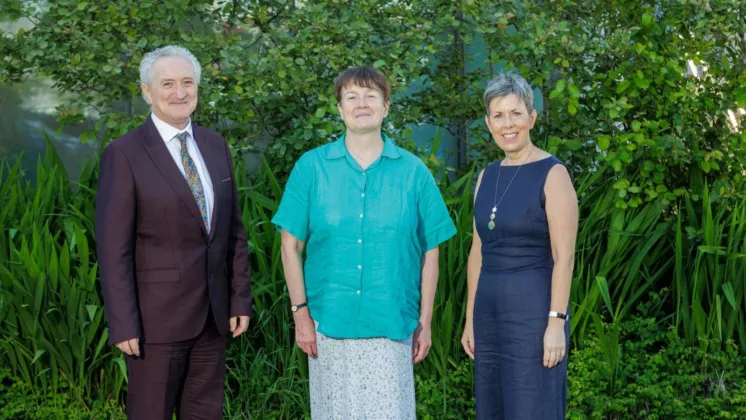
{"points": [[160, 271]]}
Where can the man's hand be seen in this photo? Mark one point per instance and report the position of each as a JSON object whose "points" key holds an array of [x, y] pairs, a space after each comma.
{"points": [[421, 342], [130, 347], [239, 325], [305, 333]]}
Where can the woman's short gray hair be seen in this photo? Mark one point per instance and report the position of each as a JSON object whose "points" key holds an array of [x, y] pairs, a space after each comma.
{"points": [[149, 59], [505, 84]]}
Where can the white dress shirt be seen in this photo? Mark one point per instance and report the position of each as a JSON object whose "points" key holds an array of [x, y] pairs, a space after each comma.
{"points": [[168, 134]]}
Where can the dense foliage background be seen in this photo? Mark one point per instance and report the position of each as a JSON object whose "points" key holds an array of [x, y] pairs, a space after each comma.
{"points": [[641, 99]]}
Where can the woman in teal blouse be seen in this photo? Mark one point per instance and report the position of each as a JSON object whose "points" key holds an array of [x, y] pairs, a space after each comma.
{"points": [[370, 218]]}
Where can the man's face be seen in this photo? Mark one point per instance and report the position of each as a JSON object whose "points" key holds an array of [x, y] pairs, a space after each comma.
{"points": [[173, 90]]}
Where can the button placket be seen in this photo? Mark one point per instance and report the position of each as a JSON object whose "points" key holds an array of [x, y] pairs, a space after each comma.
{"points": [[364, 183]]}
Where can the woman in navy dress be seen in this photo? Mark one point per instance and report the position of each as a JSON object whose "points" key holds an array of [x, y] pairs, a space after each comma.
{"points": [[520, 267]]}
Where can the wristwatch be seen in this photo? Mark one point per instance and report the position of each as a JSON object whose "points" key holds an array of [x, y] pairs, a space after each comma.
{"points": [[295, 308], [559, 315]]}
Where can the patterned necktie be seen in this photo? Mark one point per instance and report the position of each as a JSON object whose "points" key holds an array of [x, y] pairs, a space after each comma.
{"points": [[192, 177]]}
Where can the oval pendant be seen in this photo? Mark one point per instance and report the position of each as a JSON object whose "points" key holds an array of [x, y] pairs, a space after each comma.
{"points": [[491, 225]]}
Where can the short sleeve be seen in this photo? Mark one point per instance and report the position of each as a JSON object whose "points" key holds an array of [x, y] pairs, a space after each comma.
{"points": [[293, 213], [435, 224]]}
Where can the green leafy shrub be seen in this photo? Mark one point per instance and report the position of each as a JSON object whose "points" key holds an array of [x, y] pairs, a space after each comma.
{"points": [[19, 400], [657, 377], [451, 397]]}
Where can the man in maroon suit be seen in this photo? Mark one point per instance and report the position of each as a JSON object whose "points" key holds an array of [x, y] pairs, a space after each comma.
{"points": [[172, 249]]}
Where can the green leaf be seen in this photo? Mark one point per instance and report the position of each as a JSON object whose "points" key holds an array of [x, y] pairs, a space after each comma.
{"points": [[573, 145], [705, 165], [621, 184], [642, 82], [572, 109], [238, 89], [320, 112], [603, 288], [560, 85], [725, 62], [730, 295], [91, 311], [573, 90], [636, 125], [604, 141], [647, 19], [740, 97], [37, 355], [379, 63], [119, 361]]}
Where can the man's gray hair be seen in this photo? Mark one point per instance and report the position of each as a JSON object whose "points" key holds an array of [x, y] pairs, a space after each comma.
{"points": [[149, 59], [508, 83]]}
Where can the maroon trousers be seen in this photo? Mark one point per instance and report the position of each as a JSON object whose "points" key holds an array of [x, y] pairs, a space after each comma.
{"points": [[186, 376]]}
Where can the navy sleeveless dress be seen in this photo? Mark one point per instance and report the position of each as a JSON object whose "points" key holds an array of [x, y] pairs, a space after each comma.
{"points": [[513, 298]]}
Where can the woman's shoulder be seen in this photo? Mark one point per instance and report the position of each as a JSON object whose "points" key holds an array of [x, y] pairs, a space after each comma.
{"points": [[492, 166]]}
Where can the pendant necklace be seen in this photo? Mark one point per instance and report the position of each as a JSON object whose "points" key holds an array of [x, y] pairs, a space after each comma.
{"points": [[491, 224]]}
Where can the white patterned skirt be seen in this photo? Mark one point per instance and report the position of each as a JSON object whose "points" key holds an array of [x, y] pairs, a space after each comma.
{"points": [[356, 379]]}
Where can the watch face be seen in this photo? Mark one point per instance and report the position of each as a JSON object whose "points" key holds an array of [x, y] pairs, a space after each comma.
{"points": [[293, 308]]}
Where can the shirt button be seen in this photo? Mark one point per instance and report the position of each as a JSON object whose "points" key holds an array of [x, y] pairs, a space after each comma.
{"points": [[363, 173], [359, 267], [358, 292], [359, 241], [361, 215]]}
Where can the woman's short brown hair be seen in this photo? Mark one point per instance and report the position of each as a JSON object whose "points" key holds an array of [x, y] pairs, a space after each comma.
{"points": [[367, 77]]}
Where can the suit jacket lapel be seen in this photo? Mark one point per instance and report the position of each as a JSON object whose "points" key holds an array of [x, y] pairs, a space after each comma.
{"points": [[162, 158], [212, 162]]}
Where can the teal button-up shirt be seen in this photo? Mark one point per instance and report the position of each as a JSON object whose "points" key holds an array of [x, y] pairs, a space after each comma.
{"points": [[366, 232]]}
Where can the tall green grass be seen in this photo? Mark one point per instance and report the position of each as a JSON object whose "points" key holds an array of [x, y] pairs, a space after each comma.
{"points": [[51, 313], [710, 271], [621, 254]]}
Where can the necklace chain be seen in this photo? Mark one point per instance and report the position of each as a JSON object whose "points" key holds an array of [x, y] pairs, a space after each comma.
{"points": [[495, 202]]}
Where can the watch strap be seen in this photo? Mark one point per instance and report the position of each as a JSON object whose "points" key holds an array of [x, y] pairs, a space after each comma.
{"points": [[295, 308], [559, 315]]}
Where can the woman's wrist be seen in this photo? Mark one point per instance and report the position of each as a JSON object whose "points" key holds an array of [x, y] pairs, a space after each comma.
{"points": [[556, 321]]}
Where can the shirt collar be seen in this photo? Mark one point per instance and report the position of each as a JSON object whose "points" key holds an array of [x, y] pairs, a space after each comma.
{"points": [[339, 150], [167, 131]]}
